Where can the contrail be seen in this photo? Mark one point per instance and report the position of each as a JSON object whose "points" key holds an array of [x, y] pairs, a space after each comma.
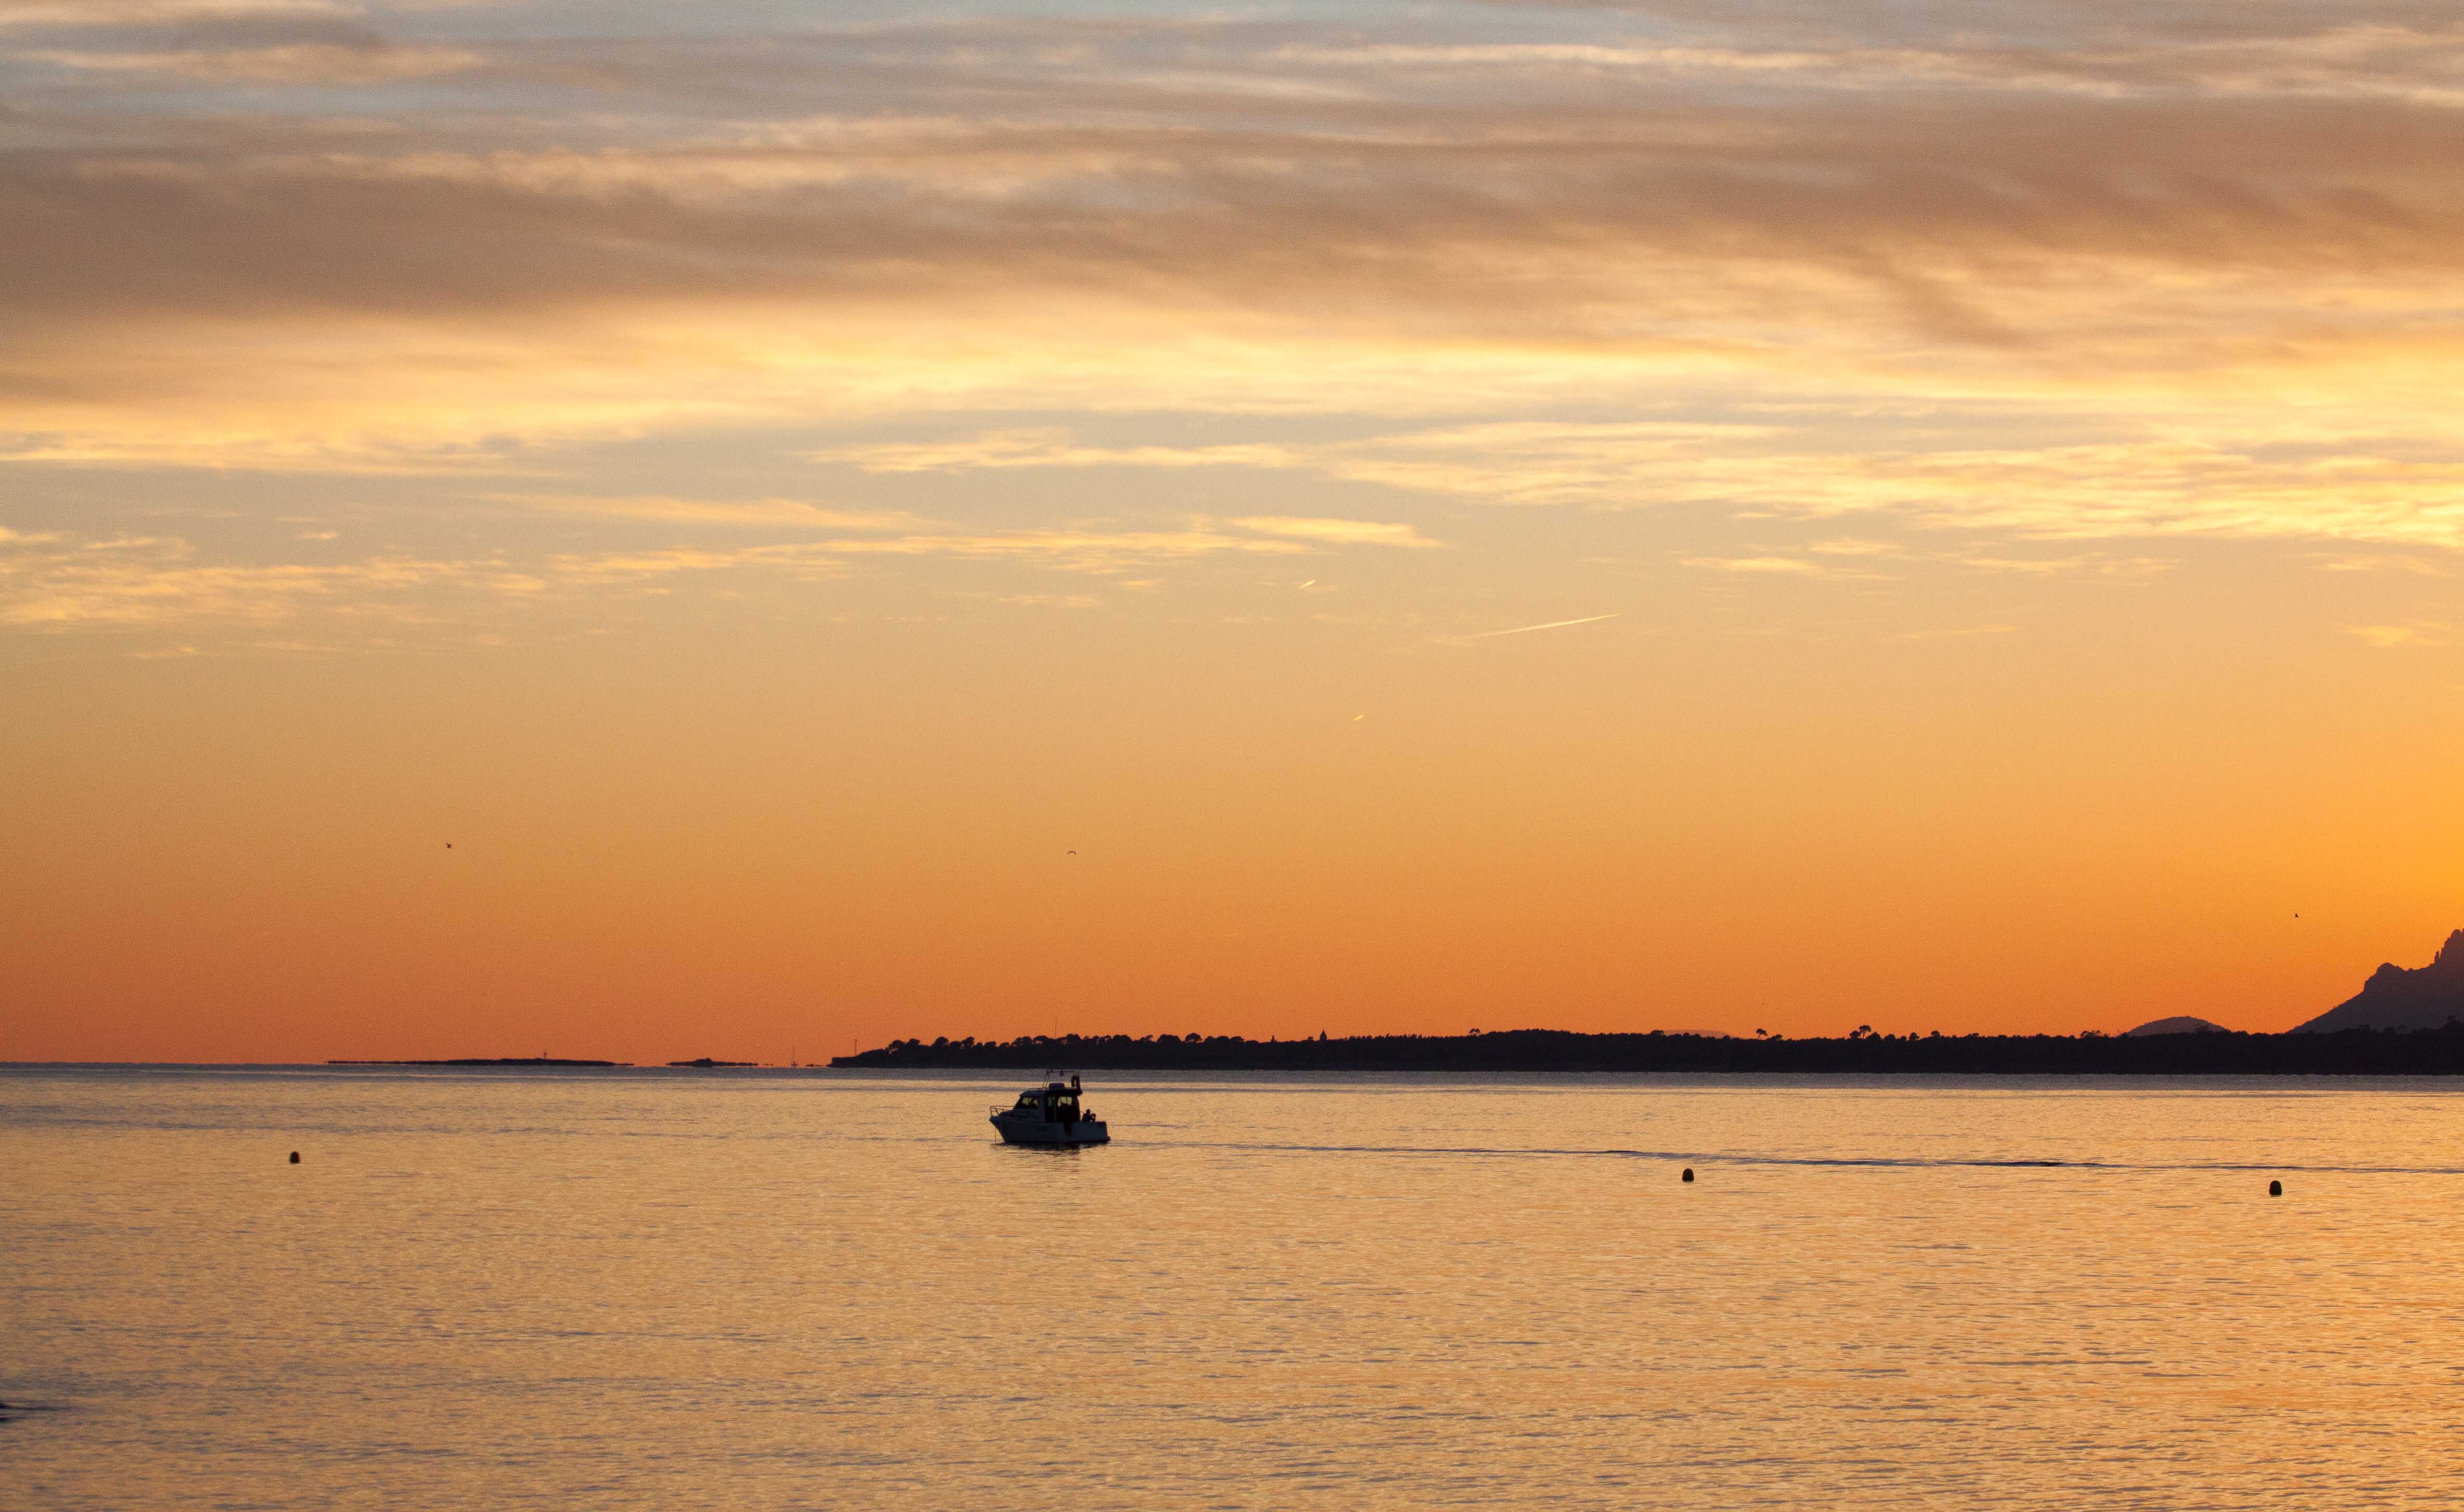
{"points": [[1525, 629]]}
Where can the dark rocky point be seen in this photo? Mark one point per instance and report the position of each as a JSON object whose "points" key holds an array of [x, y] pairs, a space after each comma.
{"points": [[2428, 997]]}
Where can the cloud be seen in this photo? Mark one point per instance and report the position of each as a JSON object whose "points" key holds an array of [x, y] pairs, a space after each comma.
{"points": [[764, 513], [2093, 565], [2411, 564], [1957, 632], [1043, 446], [2418, 632], [1048, 600], [160, 12], [1337, 532], [1548, 203], [1762, 566], [2245, 485], [1098, 551], [128, 584], [601, 568], [60, 583], [1093, 552], [2087, 272], [296, 63]]}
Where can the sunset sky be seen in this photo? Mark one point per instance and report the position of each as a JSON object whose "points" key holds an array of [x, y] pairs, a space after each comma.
{"points": [[1675, 515]]}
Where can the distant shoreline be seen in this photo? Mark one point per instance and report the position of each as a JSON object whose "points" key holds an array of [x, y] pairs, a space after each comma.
{"points": [[2344, 1053], [2358, 1052], [486, 1060]]}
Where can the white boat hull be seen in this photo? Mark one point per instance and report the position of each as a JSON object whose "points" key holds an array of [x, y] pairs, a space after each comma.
{"points": [[1041, 1131]]}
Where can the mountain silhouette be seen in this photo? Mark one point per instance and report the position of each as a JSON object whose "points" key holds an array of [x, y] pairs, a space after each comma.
{"points": [[2426, 997], [2182, 1024]]}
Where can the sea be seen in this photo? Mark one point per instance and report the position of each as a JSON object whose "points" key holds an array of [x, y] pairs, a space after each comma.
{"points": [[668, 1289]]}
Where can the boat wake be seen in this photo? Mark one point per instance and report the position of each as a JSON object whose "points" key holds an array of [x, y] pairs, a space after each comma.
{"points": [[1749, 1159]]}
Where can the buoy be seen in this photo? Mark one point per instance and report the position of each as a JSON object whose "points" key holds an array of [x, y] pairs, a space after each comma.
{"points": [[1688, 1175], [295, 1157], [2275, 1189]]}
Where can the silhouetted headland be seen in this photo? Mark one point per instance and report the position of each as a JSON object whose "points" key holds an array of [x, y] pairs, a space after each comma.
{"points": [[2403, 1023], [486, 1060], [2393, 999], [2357, 1051]]}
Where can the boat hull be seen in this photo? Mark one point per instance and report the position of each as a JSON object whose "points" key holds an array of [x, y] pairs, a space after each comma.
{"points": [[1050, 1135]]}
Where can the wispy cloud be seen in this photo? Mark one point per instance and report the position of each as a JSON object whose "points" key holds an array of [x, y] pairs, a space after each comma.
{"points": [[146, 582], [296, 63], [1102, 551], [2238, 486], [1762, 567], [1045, 447], [162, 13], [1099, 552], [762, 513], [2416, 633], [1336, 532], [55, 582], [1956, 632]]}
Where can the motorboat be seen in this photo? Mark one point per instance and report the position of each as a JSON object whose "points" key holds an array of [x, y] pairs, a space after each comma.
{"points": [[1050, 1115]]}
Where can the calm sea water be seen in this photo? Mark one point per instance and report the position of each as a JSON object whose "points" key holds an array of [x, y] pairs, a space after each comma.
{"points": [[836, 1290]]}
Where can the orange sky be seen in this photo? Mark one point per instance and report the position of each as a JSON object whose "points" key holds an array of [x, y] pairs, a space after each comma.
{"points": [[765, 493]]}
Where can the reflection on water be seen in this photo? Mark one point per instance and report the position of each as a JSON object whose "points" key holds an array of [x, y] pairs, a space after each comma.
{"points": [[683, 1291]]}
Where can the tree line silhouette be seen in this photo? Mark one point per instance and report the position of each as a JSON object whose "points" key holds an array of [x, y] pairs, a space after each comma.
{"points": [[2356, 1051]]}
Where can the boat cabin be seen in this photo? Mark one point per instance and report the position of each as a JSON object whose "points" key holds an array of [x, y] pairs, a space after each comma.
{"points": [[1056, 1104]]}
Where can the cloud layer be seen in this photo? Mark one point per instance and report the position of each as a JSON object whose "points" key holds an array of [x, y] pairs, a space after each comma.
{"points": [[55, 582], [2070, 270]]}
